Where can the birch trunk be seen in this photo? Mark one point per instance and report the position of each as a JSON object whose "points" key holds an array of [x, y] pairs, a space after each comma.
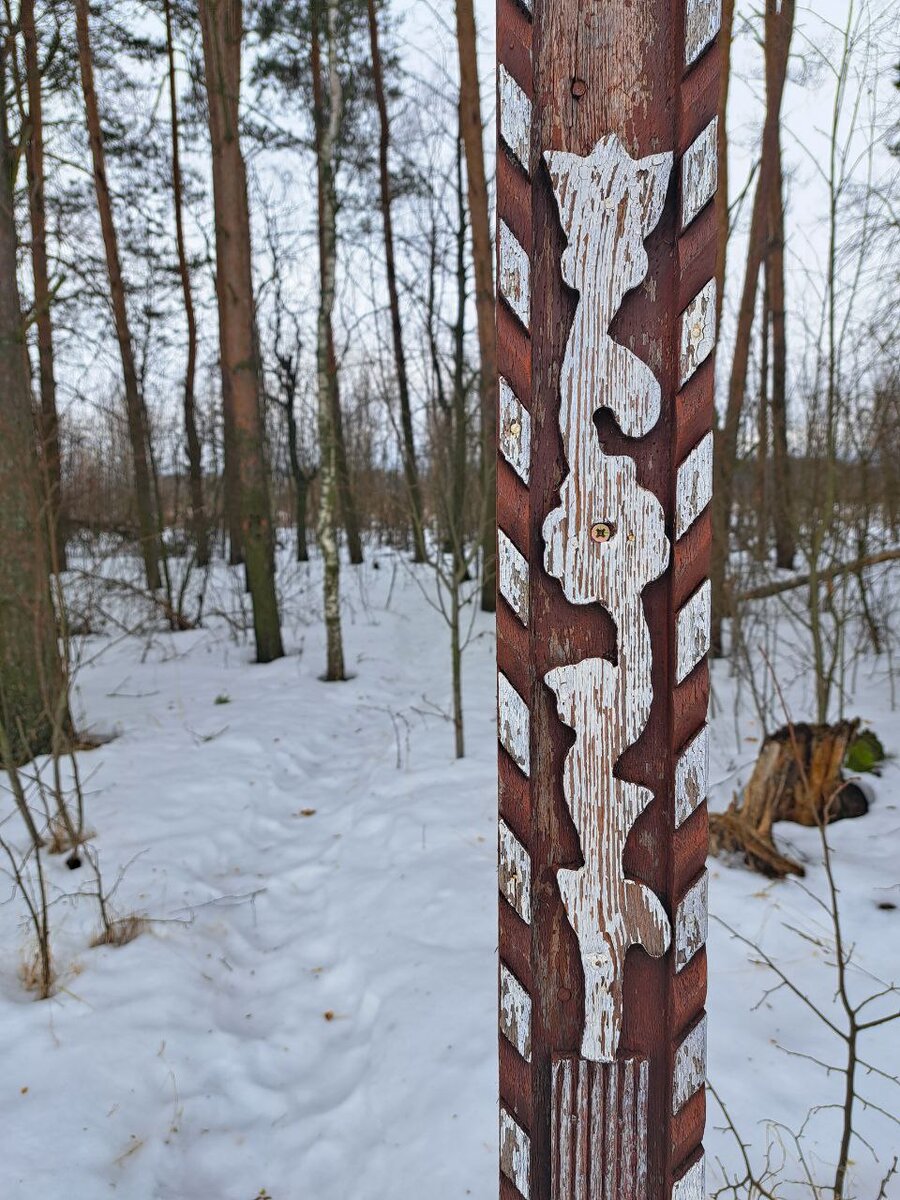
{"points": [[327, 126], [49, 417], [483, 261], [136, 412], [194, 453], [222, 29], [410, 468], [30, 674]]}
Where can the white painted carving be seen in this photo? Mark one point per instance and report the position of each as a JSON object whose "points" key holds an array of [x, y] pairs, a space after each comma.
{"points": [[699, 173], [513, 576], [690, 1066], [515, 1012], [692, 777], [692, 922], [692, 1184], [515, 432], [604, 543], [515, 275], [515, 117], [513, 724], [515, 872], [701, 24], [692, 631], [693, 490], [515, 1153], [698, 331]]}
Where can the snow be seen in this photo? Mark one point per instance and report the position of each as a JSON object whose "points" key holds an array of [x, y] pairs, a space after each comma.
{"points": [[311, 1014]]}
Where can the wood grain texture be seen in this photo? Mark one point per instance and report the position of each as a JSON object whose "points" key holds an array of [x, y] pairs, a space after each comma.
{"points": [[515, 1012], [588, 1100], [515, 432], [689, 1073], [691, 921], [515, 275], [515, 1153], [515, 872], [515, 118], [513, 574], [513, 724], [693, 631], [702, 21], [692, 1184], [604, 543], [699, 173], [694, 485], [594, 71]]}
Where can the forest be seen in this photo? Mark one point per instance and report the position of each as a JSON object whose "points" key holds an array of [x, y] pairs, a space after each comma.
{"points": [[248, 577]]}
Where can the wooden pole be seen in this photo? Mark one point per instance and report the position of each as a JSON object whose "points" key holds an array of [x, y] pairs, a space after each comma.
{"points": [[606, 240]]}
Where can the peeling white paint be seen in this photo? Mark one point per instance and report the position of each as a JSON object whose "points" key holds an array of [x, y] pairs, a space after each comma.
{"points": [[690, 1066], [515, 1153], [515, 1012], [515, 118], [692, 922], [692, 632], [515, 872], [699, 173], [698, 331], [515, 432], [701, 24], [692, 1184], [692, 777], [515, 275], [513, 576], [513, 724], [605, 542], [694, 485]]}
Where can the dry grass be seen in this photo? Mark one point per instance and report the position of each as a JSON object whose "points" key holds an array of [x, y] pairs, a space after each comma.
{"points": [[31, 975], [121, 931]]}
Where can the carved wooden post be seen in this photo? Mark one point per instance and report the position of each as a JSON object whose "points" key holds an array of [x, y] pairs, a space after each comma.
{"points": [[606, 311]]}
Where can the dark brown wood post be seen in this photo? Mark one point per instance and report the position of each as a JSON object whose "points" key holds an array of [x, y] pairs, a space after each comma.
{"points": [[606, 328]]}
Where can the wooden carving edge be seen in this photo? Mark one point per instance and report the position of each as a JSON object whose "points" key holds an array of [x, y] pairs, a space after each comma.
{"points": [[604, 543]]}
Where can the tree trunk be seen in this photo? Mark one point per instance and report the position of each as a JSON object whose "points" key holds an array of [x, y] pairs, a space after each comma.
{"points": [[327, 126], [194, 452], [483, 260], [723, 224], [222, 28], [138, 431], [782, 508], [410, 468], [31, 680], [761, 498], [779, 28], [49, 422]]}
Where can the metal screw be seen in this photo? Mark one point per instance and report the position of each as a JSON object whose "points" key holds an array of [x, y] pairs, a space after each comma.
{"points": [[601, 532], [579, 87], [515, 428]]}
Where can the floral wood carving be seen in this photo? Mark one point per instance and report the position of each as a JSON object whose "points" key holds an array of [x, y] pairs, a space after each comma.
{"points": [[604, 543]]}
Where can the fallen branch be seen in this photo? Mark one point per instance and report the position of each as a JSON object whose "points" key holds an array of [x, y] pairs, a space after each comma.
{"points": [[828, 576]]}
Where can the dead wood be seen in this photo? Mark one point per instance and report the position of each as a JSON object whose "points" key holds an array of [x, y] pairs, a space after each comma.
{"points": [[797, 777]]}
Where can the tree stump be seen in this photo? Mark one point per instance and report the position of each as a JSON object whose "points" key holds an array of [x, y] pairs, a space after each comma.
{"points": [[797, 778]]}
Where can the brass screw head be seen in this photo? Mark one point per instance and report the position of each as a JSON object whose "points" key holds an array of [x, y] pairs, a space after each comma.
{"points": [[515, 428], [601, 532]]}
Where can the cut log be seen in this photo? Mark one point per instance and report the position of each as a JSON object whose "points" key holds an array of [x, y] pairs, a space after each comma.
{"points": [[797, 778]]}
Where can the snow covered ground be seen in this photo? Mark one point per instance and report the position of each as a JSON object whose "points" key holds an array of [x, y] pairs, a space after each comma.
{"points": [[311, 1013]]}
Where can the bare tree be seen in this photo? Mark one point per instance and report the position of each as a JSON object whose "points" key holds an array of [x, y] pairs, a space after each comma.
{"points": [[483, 260], [199, 524], [222, 28], [30, 673], [34, 156], [136, 411]]}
